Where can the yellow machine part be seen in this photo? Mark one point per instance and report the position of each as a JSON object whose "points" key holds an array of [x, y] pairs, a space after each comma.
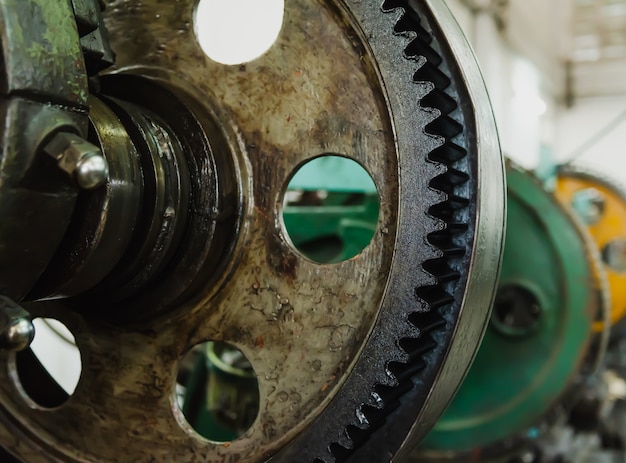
{"points": [[610, 226]]}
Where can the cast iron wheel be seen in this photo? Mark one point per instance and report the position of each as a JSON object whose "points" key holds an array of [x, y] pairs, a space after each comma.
{"points": [[355, 360]]}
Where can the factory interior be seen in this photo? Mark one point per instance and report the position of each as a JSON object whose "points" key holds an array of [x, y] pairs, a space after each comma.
{"points": [[323, 231]]}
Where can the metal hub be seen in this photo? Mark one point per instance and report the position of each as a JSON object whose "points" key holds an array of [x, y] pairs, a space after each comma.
{"points": [[185, 243]]}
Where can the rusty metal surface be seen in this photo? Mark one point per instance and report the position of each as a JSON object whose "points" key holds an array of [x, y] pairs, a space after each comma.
{"points": [[320, 337]]}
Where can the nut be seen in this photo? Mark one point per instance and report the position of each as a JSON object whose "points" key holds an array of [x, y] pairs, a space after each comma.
{"points": [[78, 158]]}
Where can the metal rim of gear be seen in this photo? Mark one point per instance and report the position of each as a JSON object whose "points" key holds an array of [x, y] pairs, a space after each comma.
{"points": [[447, 255]]}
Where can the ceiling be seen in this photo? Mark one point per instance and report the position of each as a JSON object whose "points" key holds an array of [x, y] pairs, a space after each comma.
{"points": [[597, 47], [598, 30]]}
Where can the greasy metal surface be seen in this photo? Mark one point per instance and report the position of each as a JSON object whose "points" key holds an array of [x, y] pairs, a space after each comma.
{"points": [[31, 191], [104, 219], [320, 337], [43, 88]]}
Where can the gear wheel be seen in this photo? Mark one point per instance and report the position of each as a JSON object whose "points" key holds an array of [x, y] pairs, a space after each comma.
{"points": [[355, 360], [601, 202]]}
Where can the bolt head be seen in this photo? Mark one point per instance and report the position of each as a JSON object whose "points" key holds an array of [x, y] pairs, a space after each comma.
{"points": [[81, 161], [92, 171], [18, 334]]}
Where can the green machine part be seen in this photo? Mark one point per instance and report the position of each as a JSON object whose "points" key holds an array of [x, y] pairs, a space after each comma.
{"points": [[337, 229], [539, 333], [222, 395], [336, 217]]}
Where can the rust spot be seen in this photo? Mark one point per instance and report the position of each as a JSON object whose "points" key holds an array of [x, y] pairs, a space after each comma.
{"points": [[226, 444], [259, 341], [281, 259], [298, 73], [324, 387], [288, 265]]}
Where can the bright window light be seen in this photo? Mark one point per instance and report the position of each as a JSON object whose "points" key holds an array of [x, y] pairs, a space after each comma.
{"points": [[235, 32]]}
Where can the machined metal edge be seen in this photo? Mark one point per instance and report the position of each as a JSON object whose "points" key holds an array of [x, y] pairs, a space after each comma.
{"points": [[489, 237]]}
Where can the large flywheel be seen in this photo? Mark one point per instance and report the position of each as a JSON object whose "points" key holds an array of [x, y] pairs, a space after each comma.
{"points": [[143, 208]]}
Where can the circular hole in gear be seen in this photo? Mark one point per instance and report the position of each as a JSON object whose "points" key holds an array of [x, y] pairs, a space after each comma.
{"points": [[50, 369], [516, 311], [218, 391], [614, 255], [235, 32], [330, 209]]}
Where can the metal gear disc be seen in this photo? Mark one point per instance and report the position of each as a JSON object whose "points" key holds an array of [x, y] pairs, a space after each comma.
{"points": [[355, 360]]}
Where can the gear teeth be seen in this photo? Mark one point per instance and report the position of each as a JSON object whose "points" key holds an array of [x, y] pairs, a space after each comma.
{"points": [[444, 126], [435, 296], [339, 451], [441, 268], [392, 394], [448, 181], [94, 39], [405, 364], [344, 447], [447, 154], [446, 210], [357, 435], [430, 320], [439, 99], [416, 347], [409, 23], [429, 72], [375, 416], [443, 240], [405, 371]]}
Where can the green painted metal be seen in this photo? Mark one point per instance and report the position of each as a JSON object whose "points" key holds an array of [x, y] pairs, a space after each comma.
{"points": [[221, 401], [342, 221], [336, 230], [518, 377], [41, 52]]}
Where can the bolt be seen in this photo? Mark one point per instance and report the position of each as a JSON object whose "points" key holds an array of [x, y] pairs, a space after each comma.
{"points": [[78, 158], [16, 327], [91, 171]]}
